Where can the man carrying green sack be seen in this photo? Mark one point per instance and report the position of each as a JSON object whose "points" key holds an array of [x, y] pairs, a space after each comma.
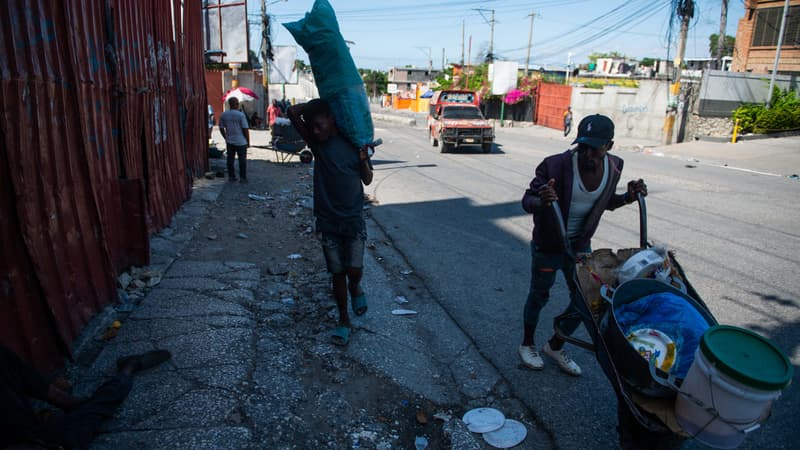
{"points": [[335, 72], [339, 171]]}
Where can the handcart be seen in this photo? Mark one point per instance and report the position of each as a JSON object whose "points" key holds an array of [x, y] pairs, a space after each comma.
{"points": [[286, 142], [645, 394]]}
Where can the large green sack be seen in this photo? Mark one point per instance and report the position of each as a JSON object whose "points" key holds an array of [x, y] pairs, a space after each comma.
{"points": [[335, 73]]}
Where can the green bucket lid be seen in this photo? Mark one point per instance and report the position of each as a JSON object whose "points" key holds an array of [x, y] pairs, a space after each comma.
{"points": [[746, 357]]}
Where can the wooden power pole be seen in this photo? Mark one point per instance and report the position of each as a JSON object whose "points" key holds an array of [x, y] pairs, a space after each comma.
{"points": [[530, 41], [685, 12], [721, 41]]}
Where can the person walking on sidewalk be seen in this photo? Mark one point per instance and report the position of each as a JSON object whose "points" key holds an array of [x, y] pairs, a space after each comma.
{"points": [[82, 416], [339, 171], [567, 121], [583, 180], [234, 128]]}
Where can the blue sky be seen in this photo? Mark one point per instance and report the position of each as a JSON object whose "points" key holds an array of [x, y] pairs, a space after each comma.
{"points": [[392, 33]]}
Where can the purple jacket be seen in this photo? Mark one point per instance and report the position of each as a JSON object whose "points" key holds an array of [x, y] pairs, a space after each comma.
{"points": [[559, 167]]}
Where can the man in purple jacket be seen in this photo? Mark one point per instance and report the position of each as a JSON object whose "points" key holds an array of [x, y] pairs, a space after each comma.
{"points": [[584, 181]]}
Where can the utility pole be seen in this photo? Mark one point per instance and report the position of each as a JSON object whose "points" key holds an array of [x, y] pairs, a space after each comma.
{"points": [[685, 12], [491, 40], [462, 42], [264, 58], [490, 53], [721, 41], [443, 59], [469, 57], [569, 67], [778, 53], [530, 41]]}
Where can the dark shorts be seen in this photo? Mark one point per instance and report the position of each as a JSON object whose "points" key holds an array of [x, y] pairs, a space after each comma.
{"points": [[343, 252]]}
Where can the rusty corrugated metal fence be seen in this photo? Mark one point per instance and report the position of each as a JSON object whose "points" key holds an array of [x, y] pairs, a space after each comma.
{"points": [[551, 102], [103, 128]]}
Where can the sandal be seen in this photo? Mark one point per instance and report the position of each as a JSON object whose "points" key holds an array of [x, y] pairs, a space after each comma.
{"points": [[341, 336], [359, 304]]}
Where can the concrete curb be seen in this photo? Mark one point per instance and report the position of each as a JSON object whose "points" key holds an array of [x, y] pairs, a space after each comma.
{"points": [[749, 137], [410, 121]]}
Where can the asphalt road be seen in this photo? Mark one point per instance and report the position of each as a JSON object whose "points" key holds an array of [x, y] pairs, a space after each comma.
{"points": [[457, 219]]}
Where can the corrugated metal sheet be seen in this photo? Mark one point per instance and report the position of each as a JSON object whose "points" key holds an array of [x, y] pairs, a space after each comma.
{"points": [[103, 108], [215, 92], [551, 102]]}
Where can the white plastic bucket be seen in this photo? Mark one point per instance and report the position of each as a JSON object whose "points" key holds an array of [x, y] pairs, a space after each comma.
{"points": [[717, 409]]}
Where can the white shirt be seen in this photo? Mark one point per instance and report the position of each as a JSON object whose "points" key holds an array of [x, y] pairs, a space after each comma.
{"points": [[234, 122], [582, 199]]}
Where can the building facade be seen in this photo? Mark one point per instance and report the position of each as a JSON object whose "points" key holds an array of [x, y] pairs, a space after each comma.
{"points": [[757, 38], [406, 78]]}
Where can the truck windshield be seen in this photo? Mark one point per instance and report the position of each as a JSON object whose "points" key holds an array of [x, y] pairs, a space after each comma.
{"points": [[461, 112]]}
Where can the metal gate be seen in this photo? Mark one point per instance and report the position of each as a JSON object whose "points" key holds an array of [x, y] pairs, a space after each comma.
{"points": [[551, 102]]}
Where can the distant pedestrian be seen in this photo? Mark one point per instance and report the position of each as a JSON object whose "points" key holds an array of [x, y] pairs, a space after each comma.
{"points": [[584, 181], [82, 418], [273, 112], [567, 121], [339, 171], [234, 128]]}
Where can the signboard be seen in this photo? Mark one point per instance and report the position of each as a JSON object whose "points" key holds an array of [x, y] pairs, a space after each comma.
{"points": [[225, 28], [281, 68], [391, 88], [503, 76]]}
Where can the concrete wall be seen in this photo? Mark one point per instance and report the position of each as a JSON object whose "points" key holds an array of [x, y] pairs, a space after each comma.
{"points": [[636, 112], [249, 80], [304, 90], [722, 92]]}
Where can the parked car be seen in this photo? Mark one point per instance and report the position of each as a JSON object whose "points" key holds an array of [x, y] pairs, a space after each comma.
{"points": [[455, 126]]}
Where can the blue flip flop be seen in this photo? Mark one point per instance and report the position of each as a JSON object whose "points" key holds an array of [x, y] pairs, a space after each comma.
{"points": [[359, 304], [341, 336]]}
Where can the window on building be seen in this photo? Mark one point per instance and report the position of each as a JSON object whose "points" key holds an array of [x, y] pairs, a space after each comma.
{"points": [[768, 25]]}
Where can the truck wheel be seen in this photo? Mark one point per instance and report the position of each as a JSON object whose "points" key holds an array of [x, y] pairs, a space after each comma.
{"points": [[434, 141], [487, 148]]}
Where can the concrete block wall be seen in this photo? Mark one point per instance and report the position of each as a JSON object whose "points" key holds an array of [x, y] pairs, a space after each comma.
{"points": [[636, 112]]}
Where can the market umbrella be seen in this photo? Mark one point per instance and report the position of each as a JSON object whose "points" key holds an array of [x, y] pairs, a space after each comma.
{"points": [[243, 94]]}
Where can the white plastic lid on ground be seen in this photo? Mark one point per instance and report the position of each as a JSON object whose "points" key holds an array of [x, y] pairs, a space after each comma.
{"points": [[509, 435], [483, 420]]}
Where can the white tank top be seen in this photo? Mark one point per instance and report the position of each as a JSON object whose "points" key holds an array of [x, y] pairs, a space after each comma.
{"points": [[582, 199]]}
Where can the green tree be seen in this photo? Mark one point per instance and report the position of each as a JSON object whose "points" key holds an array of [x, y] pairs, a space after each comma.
{"points": [[375, 81], [647, 62], [595, 56], [713, 40], [478, 79], [300, 65]]}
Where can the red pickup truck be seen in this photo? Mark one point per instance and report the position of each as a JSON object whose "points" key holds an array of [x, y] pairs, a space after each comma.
{"points": [[454, 120]]}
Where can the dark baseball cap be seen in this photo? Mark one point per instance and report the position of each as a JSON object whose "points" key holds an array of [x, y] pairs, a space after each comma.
{"points": [[595, 131]]}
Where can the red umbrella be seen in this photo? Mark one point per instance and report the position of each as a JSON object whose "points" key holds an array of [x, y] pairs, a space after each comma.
{"points": [[242, 93]]}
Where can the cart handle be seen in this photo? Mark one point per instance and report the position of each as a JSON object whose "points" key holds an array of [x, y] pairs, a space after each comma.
{"points": [[642, 221], [562, 230]]}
